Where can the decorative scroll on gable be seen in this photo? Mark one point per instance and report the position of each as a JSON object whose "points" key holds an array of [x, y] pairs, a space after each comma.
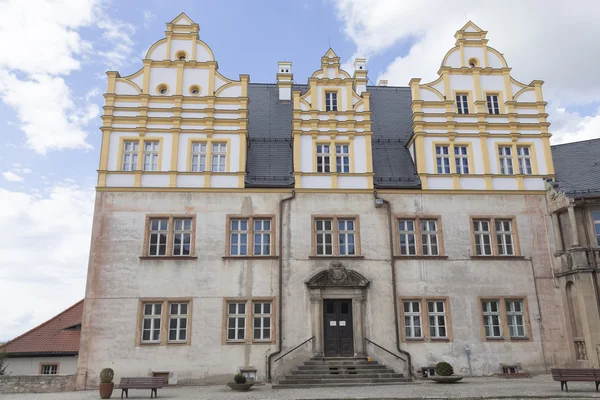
{"points": [[337, 276]]}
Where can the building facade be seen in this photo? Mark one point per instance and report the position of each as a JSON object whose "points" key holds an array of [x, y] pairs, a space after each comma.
{"points": [[236, 220]]}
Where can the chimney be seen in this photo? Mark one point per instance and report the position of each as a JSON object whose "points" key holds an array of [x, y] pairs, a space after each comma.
{"points": [[382, 82], [360, 75], [284, 80]]}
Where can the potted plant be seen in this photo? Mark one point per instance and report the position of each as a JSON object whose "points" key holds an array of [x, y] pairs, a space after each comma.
{"points": [[444, 373], [106, 383], [240, 383]]}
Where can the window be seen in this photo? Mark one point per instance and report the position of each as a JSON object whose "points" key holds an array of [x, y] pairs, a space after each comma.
{"points": [[164, 321], [596, 221], [342, 158], [253, 315], [506, 161], [412, 319], [502, 315], [442, 155], [461, 159], [151, 156], [262, 321], [178, 322], [492, 104], [331, 101], [462, 103], [151, 322], [524, 157], [323, 158], [419, 236], [437, 318], [335, 236], [426, 316], [250, 236], [502, 229], [130, 155], [198, 157], [491, 318], [170, 236], [49, 369], [219, 157]]}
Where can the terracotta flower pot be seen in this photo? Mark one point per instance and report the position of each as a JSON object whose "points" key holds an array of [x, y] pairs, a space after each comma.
{"points": [[242, 387], [106, 390]]}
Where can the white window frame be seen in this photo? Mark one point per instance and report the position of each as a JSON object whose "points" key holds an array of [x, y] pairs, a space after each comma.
{"points": [[512, 315], [504, 237], [321, 234], [239, 321], [404, 232], [219, 157], [596, 225], [182, 231], [493, 104], [240, 234], [323, 155], [180, 318], [151, 154], [461, 159], [525, 160], [262, 231], [488, 318], [342, 158], [131, 154], [258, 321], [430, 242], [505, 154], [158, 233], [434, 329], [49, 369], [153, 317], [331, 101], [346, 236], [412, 319], [199, 154], [480, 235], [442, 158], [462, 103]]}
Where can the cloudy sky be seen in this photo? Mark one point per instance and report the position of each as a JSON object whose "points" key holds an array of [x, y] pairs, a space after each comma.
{"points": [[54, 54]]}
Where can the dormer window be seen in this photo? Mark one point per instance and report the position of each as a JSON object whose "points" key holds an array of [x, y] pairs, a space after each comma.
{"points": [[331, 101], [194, 90], [473, 62], [181, 55], [162, 89], [462, 103]]}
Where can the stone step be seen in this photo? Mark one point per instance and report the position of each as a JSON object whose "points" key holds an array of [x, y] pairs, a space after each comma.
{"points": [[339, 358], [339, 382], [340, 367], [382, 370], [345, 376], [340, 362], [303, 386]]}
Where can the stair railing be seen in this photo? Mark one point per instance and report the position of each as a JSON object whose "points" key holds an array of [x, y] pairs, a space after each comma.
{"points": [[301, 344], [384, 349]]}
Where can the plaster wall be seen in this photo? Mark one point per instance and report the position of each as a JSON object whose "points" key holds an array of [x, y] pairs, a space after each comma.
{"points": [[31, 365]]}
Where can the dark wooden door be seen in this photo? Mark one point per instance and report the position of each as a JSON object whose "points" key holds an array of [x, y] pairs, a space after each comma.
{"points": [[339, 338]]}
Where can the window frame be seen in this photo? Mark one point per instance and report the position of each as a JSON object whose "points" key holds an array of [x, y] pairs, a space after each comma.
{"points": [[321, 155], [465, 162], [335, 235], [418, 236], [593, 223], [249, 323], [342, 156], [493, 236], [250, 232], [141, 153], [489, 100], [49, 364], [335, 92], [467, 101], [164, 321], [209, 153], [425, 327], [441, 156], [515, 162], [452, 157], [170, 236], [522, 158], [504, 326]]}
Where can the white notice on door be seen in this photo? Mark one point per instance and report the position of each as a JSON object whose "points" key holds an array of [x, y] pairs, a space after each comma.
{"points": [[332, 323], [342, 323]]}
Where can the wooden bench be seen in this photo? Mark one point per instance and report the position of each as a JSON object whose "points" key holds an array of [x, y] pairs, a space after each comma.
{"points": [[564, 375], [148, 382]]}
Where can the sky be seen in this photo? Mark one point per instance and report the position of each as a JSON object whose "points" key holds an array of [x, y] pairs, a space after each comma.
{"points": [[54, 55]]}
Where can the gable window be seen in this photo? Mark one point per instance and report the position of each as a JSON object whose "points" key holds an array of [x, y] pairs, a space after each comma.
{"points": [[151, 156], [412, 319], [170, 236], [437, 318], [335, 236], [342, 158], [331, 101], [178, 317], [151, 322], [236, 321], [250, 236], [49, 369], [596, 222], [442, 155], [492, 104], [501, 229], [419, 236], [461, 159], [198, 157], [462, 103], [164, 321], [249, 320], [323, 158], [524, 158], [219, 157], [491, 318], [130, 155], [506, 160]]}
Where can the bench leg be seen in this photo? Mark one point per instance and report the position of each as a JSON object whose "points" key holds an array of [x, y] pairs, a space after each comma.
{"points": [[597, 384], [126, 391], [564, 384], [154, 391]]}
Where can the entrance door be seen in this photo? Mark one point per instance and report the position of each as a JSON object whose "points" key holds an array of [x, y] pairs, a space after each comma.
{"points": [[339, 339]]}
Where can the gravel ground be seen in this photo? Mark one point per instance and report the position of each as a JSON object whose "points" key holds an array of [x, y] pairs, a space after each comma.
{"points": [[470, 388]]}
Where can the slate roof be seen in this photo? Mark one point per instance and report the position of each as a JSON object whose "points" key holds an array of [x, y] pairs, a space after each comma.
{"points": [[270, 151], [59, 335], [577, 167]]}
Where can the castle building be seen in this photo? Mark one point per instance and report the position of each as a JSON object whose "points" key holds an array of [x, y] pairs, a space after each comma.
{"points": [[236, 220]]}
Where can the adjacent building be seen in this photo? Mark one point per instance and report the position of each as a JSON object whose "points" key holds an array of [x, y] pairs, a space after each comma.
{"points": [[236, 220]]}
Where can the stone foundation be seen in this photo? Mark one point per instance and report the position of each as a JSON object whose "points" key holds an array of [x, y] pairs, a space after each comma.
{"points": [[36, 383]]}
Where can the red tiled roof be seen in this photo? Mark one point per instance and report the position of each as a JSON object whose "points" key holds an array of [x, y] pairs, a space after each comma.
{"points": [[51, 336]]}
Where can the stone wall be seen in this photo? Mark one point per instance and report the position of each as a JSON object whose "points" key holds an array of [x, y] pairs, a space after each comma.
{"points": [[36, 383]]}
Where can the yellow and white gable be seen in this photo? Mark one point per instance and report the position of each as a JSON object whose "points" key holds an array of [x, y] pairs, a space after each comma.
{"points": [[177, 122], [332, 128], [476, 127]]}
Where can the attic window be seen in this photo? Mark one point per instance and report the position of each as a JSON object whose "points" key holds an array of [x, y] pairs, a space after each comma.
{"points": [[194, 90], [162, 89], [181, 55], [473, 62]]}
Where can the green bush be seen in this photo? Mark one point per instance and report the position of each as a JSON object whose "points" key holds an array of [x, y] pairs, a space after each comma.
{"points": [[107, 375], [444, 369], [239, 378]]}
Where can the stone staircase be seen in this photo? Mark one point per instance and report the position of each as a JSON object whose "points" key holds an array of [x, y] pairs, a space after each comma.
{"points": [[340, 371]]}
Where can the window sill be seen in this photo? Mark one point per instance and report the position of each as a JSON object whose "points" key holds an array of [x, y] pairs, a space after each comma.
{"points": [[520, 339], [178, 344], [417, 340], [498, 257], [250, 257], [440, 339], [495, 339], [244, 342], [149, 344], [313, 257], [168, 257], [421, 257]]}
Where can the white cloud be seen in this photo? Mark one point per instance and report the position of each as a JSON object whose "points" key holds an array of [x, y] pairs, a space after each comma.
{"points": [[12, 177], [149, 18], [540, 39], [44, 244], [118, 35]]}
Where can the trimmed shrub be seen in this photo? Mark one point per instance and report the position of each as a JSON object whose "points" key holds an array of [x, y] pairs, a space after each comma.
{"points": [[239, 378], [444, 369]]}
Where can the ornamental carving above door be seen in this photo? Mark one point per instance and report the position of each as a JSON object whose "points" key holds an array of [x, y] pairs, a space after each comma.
{"points": [[337, 276]]}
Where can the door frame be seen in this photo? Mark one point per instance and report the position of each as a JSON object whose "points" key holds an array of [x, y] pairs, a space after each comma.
{"points": [[326, 328]]}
